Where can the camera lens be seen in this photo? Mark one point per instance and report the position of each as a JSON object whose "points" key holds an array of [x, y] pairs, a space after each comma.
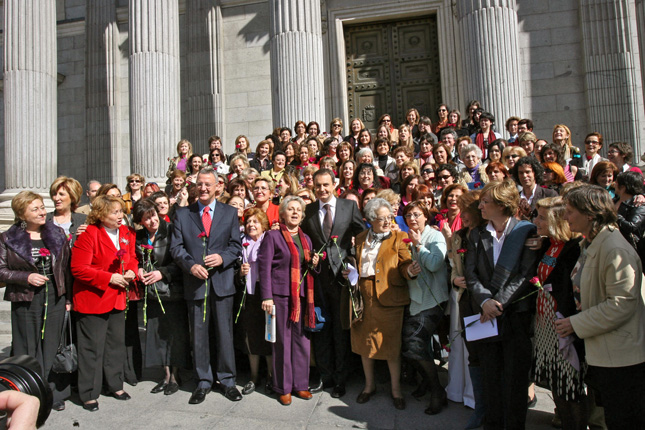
{"points": [[22, 373]]}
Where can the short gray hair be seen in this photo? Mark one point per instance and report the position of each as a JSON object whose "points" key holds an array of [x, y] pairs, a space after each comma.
{"points": [[364, 151], [208, 170], [373, 206], [470, 148], [285, 202]]}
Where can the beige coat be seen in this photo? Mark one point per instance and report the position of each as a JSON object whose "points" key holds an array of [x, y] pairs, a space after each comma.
{"points": [[612, 321]]}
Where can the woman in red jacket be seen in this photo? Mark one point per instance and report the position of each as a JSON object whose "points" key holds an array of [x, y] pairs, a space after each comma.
{"points": [[104, 264]]}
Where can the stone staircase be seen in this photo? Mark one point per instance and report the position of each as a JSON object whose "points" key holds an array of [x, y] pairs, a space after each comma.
{"points": [[5, 326]]}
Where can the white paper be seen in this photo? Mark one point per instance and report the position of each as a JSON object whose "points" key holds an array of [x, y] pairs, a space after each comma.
{"points": [[269, 326], [353, 274], [479, 330]]}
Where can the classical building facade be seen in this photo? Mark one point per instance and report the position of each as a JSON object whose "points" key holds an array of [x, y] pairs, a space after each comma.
{"points": [[98, 89]]}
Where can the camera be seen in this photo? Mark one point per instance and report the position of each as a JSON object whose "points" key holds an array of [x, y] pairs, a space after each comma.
{"points": [[23, 373]]}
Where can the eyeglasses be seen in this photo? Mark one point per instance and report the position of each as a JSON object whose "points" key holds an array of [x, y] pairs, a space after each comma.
{"points": [[592, 142], [613, 151], [135, 181], [443, 110], [427, 171], [387, 120], [444, 177], [336, 125], [413, 215], [512, 156], [217, 154], [384, 220], [305, 198]]}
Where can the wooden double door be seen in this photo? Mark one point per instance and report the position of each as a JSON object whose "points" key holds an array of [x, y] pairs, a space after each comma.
{"points": [[392, 67]]}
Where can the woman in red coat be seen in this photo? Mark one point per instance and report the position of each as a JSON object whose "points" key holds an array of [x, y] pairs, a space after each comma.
{"points": [[104, 264]]}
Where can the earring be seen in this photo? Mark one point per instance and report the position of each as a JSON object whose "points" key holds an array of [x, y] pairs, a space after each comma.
{"points": [[23, 224]]}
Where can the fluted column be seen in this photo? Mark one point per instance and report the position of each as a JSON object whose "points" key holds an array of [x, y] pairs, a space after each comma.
{"points": [[204, 116], [30, 125], [105, 160], [154, 85], [615, 102], [297, 86], [490, 55]]}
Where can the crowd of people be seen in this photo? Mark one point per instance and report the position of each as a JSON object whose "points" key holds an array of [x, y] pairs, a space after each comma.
{"points": [[371, 245]]}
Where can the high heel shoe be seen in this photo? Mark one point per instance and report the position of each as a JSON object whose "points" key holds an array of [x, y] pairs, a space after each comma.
{"points": [[159, 387]]}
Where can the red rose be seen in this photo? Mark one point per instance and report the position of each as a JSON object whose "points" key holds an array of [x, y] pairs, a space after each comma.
{"points": [[150, 247], [407, 241], [334, 237], [324, 255], [461, 251], [44, 252], [446, 347], [443, 211], [245, 244], [477, 184], [121, 253], [201, 235]]}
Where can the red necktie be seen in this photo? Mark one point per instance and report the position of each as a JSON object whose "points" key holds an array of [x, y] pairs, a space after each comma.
{"points": [[206, 220]]}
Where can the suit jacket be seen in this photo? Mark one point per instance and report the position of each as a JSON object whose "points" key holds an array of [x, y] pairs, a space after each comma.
{"points": [[274, 261], [16, 262], [78, 219], [612, 321], [479, 269], [85, 209], [348, 223], [542, 193], [391, 269], [187, 249], [94, 261]]}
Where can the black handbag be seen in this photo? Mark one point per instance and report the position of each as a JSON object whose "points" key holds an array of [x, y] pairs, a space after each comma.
{"points": [[159, 289], [66, 359]]}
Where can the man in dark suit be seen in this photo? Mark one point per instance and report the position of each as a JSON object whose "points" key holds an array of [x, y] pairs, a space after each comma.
{"points": [[528, 173], [209, 261], [325, 218]]}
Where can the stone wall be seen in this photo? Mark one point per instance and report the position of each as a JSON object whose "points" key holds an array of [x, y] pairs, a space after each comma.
{"points": [[552, 67]]}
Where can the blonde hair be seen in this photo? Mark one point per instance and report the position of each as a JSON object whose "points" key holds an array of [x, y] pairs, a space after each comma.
{"points": [[101, 207], [71, 185], [557, 227], [190, 147], [504, 194], [390, 196], [20, 202]]}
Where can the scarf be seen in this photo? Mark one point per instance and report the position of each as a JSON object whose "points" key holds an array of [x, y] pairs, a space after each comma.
{"points": [[474, 173], [479, 140], [382, 161], [294, 271], [379, 237], [251, 257]]}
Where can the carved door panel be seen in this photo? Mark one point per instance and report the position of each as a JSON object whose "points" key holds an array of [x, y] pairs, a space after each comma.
{"points": [[392, 67]]}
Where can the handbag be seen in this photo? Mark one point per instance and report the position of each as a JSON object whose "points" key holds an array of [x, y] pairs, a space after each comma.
{"points": [[159, 289], [66, 359], [321, 318]]}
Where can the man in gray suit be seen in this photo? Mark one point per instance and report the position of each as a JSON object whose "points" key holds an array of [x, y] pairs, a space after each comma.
{"points": [[326, 218], [208, 265]]}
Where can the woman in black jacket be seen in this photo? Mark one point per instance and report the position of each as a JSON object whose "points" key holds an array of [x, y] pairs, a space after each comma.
{"points": [[167, 320], [630, 216], [34, 264]]}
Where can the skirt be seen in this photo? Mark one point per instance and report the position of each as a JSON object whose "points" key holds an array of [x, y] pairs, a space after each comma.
{"points": [[249, 330], [167, 335], [378, 335]]}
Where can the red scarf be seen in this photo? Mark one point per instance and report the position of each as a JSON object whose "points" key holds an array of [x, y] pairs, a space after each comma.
{"points": [[479, 140], [294, 271]]}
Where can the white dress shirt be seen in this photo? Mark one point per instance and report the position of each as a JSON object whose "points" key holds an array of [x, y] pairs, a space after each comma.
{"points": [[322, 211]]}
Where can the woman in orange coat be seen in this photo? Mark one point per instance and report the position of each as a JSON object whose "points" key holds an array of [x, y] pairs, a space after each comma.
{"points": [[104, 264], [384, 263]]}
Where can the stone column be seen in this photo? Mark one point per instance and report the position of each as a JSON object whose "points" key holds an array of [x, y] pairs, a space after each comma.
{"points": [[204, 116], [613, 81], [490, 56], [105, 162], [297, 85], [30, 80], [154, 85]]}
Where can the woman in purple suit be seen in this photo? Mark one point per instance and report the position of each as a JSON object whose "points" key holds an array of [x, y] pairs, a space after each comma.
{"points": [[286, 283]]}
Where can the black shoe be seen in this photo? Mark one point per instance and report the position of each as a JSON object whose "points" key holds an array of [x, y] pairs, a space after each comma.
{"points": [[248, 388], [198, 396], [59, 405], [131, 382], [268, 387], [171, 388], [159, 387], [399, 403], [437, 402], [92, 407], [317, 388], [338, 391], [233, 394], [365, 397], [122, 396]]}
